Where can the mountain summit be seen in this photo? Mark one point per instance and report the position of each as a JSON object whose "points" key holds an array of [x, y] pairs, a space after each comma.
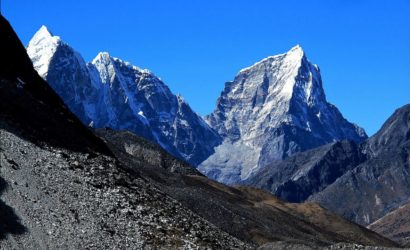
{"points": [[109, 92], [271, 110]]}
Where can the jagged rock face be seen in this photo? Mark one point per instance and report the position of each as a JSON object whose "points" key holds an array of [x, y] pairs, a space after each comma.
{"points": [[380, 184], [270, 111], [68, 67], [109, 92]]}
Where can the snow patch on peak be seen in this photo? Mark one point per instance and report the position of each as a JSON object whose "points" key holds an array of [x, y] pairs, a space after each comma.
{"points": [[43, 32], [42, 48], [244, 70], [132, 67], [106, 58], [297, 48], [103, 62], [102, 57], [295, 55]]}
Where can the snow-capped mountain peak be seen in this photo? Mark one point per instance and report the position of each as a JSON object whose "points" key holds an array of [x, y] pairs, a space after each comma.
{"points": [[43, 41], [101, 57], [43, 32], [271, 110], [105, 67], [104, 58], [110, 92], [295, 55], [296, 49]]}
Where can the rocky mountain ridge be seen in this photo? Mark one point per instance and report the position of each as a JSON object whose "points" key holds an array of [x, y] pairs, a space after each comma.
{"points": [[109, 92]]}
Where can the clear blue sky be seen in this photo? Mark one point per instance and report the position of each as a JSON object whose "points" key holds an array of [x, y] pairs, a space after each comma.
{"points": [[361, 46]]}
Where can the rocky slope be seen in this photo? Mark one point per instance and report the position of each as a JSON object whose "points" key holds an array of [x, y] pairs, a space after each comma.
{"points": [[395, 225], [109, 92], [61, 199], [249, 214], [271, 110], [340, 246]]}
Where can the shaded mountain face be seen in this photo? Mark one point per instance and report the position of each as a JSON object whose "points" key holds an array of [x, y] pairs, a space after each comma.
{"points": [[109, 92], [381, 183], [361, 182], [271, 110], [302, 175]]}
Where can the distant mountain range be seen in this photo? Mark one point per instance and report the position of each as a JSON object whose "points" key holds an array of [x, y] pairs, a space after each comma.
{"points": [[64, 187], [272, 128], [109, 92], [271, 110]]}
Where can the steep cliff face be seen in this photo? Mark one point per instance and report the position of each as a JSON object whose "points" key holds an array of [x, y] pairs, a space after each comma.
{"points": [[109, 92], [271, 110]]}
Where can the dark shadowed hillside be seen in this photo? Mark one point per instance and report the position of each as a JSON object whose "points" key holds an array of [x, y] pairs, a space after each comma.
{"points": [[249, 214]]}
